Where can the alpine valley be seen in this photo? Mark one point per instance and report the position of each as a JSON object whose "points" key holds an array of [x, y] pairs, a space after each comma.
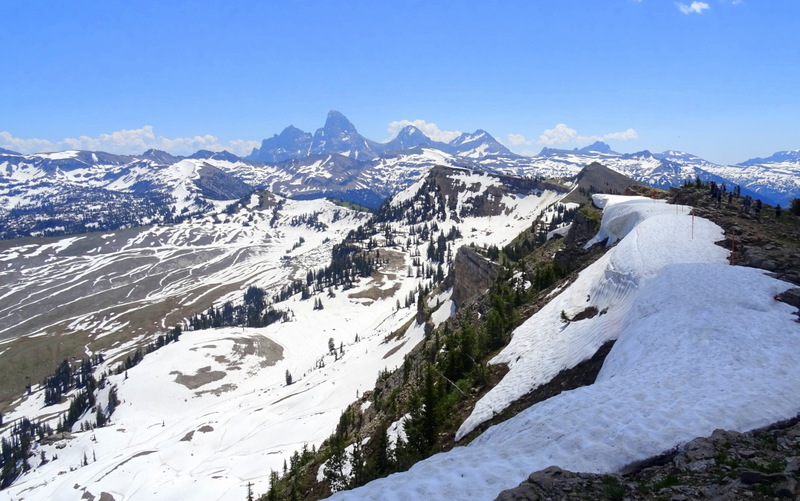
{"points": [[334, 316]]}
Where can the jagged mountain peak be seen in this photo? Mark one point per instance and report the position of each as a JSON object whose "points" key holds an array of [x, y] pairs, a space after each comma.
{"points": [[4, 151], [291, 143], [595, 147], [339, 135], [292, 131], [410, 131], [338, 124]]}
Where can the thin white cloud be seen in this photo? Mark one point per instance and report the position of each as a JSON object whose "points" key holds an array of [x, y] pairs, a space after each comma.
{"points": [[242, 147], [20, 145], [562, 134], [693, 8], [518, 140], [429, 129], [626, 135], [128, 141]]}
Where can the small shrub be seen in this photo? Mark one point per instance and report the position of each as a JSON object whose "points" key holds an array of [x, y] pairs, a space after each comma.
{"points": [[668, 481], [613, 490]]}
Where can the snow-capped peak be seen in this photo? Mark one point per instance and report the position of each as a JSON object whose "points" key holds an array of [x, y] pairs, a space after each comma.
{"points": [[781, 156], [477, 145]]}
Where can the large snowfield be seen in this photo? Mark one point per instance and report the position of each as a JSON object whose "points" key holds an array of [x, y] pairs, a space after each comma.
{"points": [[701, 345]]}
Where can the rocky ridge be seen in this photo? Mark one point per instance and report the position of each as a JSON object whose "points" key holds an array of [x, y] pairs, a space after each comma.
{"points": [[762, 465]]}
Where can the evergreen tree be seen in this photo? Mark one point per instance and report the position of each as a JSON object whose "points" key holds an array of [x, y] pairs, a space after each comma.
{"points": [[356, 465], [274, 492], [495, 330], [379, 461], [423, 424], [334, 470]]}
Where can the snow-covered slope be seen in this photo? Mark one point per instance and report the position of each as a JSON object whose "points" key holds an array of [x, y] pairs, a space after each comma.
{"points": [[391, 174], [203, 417], [773, 181], [223, 415], [479, 144], [776, 179], [694, 353], [369, 182], [642, 166], [133, 281], [76, 191]]}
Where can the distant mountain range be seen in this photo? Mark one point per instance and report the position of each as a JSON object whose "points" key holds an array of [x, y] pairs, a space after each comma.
{"points": [[75, 191], [339, 136]]}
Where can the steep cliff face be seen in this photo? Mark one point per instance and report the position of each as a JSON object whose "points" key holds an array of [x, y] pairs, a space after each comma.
{"points": [[472, 275], [583, 228]]}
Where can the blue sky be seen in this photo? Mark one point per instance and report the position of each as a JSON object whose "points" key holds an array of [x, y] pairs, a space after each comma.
{"points": [[720, 78]]}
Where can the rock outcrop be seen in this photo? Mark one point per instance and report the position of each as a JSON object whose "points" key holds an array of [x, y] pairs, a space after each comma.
{"points": [[581, 230], [728, 465], [472, 275]]}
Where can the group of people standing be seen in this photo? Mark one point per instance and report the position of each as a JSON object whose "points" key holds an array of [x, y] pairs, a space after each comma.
{"points": [[717, 191]]}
